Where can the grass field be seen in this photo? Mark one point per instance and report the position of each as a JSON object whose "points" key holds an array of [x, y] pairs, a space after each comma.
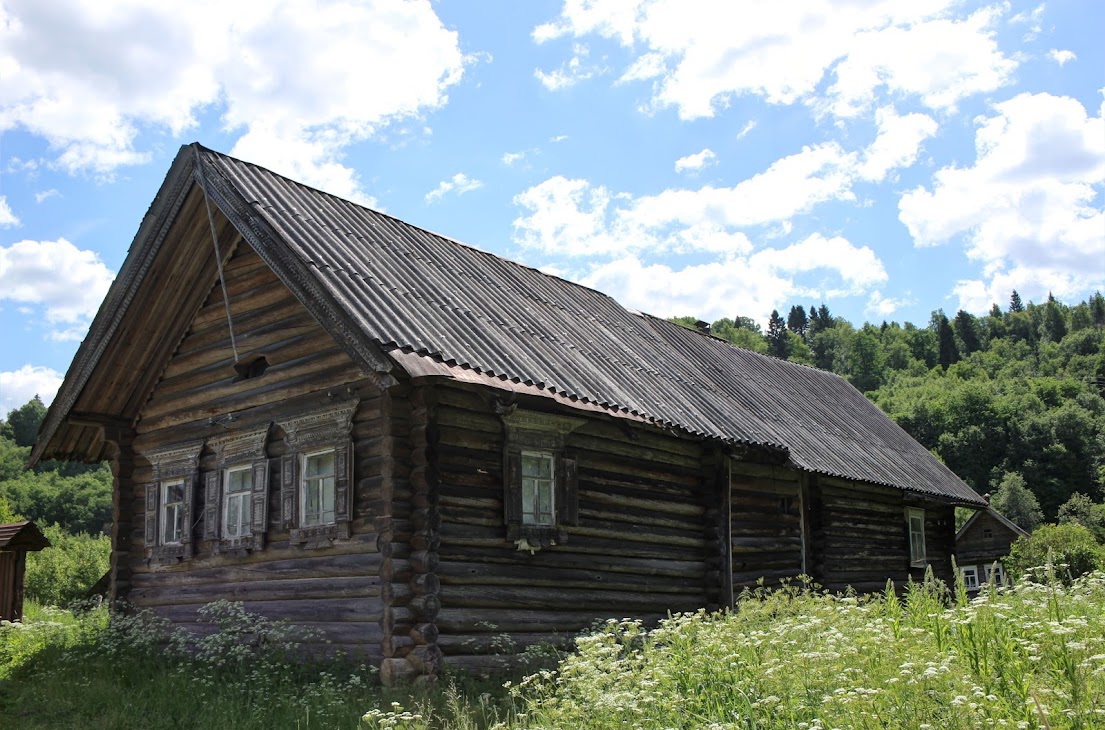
{"points": [[1028, 657]]}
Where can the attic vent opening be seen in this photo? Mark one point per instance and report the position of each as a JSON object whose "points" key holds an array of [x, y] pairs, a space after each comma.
{"points": [[250, 369]]}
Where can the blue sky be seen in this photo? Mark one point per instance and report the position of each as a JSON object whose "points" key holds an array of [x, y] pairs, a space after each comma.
{"points": [[708, 158]]}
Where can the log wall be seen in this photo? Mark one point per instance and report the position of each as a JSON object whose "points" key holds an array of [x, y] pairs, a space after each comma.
{"points": [[640, 547], [974, 546], [766, 524], [862, 538], [334, 589]]}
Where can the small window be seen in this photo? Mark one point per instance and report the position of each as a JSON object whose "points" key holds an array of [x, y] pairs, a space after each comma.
{"points": [[172, 512], [970, 577], [318, 489], [540, 490], [169, 502], [994, 574], [916, 521], [987, 533], [236, 494], [538, 494], [316, 476], [236, 513]]}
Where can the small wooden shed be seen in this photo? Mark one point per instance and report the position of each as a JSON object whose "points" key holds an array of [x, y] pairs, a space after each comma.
{"points": [[16, 540]]}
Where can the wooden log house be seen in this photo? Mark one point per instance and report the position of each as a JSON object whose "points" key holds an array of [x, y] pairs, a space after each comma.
{"points": [[430, 453]]}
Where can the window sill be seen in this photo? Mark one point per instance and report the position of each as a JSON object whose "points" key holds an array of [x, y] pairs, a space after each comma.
{"points": [[168, 554], [537, 536], [318, 536], [238, 545]]}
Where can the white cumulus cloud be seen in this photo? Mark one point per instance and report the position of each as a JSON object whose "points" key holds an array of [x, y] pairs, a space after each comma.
{"points": [[459, 184], [1061, 57], [299, 79], [746, 285], [67, 283], [698, 55], [897, 144], [1029, 209], [8, 219], [19, 386], [695, 162]]}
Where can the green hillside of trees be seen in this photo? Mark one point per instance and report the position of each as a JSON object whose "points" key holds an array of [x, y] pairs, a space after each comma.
{"points": [[1013, 402], [76, 497]]}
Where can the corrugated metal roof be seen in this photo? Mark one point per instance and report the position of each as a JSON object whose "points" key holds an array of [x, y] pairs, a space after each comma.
{"points": [[422, 293]]}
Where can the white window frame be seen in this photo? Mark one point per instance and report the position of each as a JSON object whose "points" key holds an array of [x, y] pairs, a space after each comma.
{"points": [[916, 539], [178, 512], [970, 577], [997, 571], [303, 479], [244, 500], [534, 517]]}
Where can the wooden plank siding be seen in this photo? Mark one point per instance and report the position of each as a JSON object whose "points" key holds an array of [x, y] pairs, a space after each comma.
{"points": [[639, 548], [862, 537], [336, 590]]}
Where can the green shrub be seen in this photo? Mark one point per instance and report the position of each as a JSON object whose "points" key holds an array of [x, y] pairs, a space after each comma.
{"points": [[1070, 548], [65, 571]]}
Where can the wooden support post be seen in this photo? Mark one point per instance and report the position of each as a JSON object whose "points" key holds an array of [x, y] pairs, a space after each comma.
{"points": [[122, 505], [726, 484]]}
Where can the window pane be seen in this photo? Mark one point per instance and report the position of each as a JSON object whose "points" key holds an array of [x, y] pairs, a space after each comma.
{"points": [[232, 517], [529, 499], [240, 480], [174, 493], [312, 507], [327, 489], [537, 465], [174, 524], [320, 465], [544, 498]]}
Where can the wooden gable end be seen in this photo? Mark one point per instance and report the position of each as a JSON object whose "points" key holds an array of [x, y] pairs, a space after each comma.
{"points": [[199, 381]]}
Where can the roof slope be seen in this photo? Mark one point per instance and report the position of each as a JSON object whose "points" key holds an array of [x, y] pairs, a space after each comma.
{"points": [[416, 291], [22, 536], [402, 288]]}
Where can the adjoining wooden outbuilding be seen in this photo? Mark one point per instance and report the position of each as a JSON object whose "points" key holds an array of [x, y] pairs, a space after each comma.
{"points": [[981, 544], [417, 447], [16, 540]]}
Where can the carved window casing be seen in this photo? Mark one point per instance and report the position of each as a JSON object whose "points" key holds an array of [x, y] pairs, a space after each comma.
{"points": [[316, 476], [540, 480], [236, 493], [169, 501]]}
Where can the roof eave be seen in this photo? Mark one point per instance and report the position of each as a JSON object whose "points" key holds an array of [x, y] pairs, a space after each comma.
{"points": [[143, 249]]}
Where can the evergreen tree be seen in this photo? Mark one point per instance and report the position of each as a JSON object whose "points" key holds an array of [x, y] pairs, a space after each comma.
{"points": [[777, 342], [1014, 501], [797, 322], [948, 353], [995, 323], [1097, 309], [966, 332], [1015, 303], [866, 360], [1054, 325]]}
